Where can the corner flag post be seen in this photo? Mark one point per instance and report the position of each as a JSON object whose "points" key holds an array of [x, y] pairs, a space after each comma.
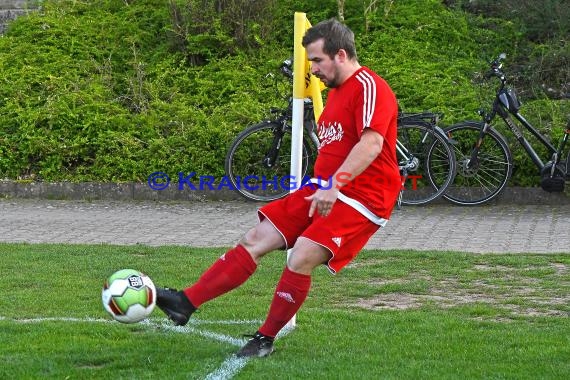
{"points": [[304, 85], [299, 68]]}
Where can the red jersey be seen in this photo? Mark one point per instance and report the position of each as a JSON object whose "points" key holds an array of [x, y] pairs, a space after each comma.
{"points": [[364, 100]]}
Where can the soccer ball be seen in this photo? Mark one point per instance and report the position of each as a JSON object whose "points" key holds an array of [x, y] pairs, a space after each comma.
{"points": [[129, 296]]}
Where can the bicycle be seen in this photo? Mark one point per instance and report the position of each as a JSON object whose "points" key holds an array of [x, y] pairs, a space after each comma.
{"points": [[258, 160], [484, 159]]}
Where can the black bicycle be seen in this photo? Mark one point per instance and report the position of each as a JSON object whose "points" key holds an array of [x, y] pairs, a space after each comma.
{"points": [[258, 160], [484, 159]]}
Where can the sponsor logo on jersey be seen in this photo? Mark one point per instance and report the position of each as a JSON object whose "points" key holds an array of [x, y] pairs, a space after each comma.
{"points": [[329, 133]]}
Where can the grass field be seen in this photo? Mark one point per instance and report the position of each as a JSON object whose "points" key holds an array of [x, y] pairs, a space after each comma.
{"points": [[390, 315]]}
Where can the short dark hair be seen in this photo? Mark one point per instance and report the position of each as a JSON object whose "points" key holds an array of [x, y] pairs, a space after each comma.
{"points": [[336, 36]]}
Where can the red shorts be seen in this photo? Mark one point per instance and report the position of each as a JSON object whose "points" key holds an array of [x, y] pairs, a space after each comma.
{"points": [[344, 232]]}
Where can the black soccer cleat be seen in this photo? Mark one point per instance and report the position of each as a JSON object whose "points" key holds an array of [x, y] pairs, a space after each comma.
{"points": [[259, 345], [175, 305]]}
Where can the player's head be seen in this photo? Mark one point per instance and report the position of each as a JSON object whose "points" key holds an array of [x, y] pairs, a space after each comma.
{"points": [[335, 36], [331, 50]]}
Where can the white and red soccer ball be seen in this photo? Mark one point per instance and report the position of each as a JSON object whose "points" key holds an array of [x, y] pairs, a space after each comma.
{"points": [[129, 296]]}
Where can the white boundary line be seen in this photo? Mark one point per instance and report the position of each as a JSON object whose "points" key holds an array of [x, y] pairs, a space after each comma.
{"points": [[227, 370]]}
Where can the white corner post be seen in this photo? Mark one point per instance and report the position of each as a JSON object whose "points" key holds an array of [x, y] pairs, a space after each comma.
{"points": [[299, 59], [304, 85]]}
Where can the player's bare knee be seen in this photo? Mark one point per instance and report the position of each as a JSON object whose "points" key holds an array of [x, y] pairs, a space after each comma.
{"points": [[302, 262], [306, 255], [249, 239], [253, 242], [297, 264]]}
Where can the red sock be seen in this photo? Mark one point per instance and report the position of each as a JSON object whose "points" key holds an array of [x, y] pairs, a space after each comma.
{"points": [[227, 273], [289, 295]]}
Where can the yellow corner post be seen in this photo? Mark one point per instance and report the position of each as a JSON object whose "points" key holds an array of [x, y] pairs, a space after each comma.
{"points": [[304, 85]]}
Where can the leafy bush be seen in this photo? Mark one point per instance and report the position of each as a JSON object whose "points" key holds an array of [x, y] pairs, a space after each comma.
{"points": [[115, 90], [543, 56], [84, 105]]}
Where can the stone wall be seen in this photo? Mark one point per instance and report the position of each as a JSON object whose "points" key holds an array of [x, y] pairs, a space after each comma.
{"points": [[10, 9], [142, 192]]}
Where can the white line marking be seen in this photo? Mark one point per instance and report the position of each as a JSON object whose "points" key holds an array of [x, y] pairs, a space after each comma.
{"points": [[57, 319], [195, 321], [227, 370], [189, 329]]}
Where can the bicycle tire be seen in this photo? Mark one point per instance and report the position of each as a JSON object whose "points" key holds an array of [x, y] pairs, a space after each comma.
{"points": [[245, 168], [435, 162], [486, 180]]}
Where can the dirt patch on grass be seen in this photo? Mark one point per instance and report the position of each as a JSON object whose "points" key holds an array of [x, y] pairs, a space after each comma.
{"points": [[511, 293], [505, 289], [560, 268]]}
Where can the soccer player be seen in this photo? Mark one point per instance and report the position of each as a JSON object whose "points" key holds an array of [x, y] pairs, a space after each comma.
{"points": [[327, 225]]}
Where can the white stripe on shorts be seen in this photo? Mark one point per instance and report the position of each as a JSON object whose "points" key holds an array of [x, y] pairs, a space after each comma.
{"points": [[355, 205]]}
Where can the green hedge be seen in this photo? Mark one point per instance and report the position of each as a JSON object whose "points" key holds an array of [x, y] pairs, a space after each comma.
{"points": [[115, 90]]}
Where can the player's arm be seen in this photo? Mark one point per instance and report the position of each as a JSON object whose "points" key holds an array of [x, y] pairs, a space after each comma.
{"points": [[359, 158]]}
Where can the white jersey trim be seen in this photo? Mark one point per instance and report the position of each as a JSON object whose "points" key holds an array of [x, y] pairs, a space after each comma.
{"points": [[355, 205], [369, 97]]}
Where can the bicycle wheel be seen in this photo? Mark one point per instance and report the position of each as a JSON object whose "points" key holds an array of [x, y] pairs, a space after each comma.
{"points": [[480, 181], [258, 162], [427, 160]]}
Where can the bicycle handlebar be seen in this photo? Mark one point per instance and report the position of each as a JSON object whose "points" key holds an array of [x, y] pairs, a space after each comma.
{"points": [[496, 67], [286, 68], [497, 62]]}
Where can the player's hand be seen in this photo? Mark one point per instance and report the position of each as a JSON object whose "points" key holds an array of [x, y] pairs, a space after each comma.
{"points": [[322, 201]]}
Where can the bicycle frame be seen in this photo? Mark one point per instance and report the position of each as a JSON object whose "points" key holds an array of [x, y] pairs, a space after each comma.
{"points": [[505, 105], [309, 123], [485, 159], [505, 113], [428, 119], [284, 119]]}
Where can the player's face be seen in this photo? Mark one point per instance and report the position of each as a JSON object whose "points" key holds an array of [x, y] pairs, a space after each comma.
{"points": [[322, 66]]}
